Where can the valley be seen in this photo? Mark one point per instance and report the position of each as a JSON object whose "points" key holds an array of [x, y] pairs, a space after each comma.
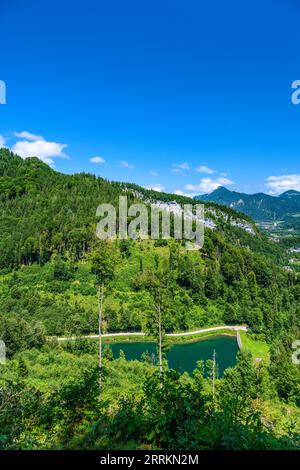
{"points": [[52, 271]]}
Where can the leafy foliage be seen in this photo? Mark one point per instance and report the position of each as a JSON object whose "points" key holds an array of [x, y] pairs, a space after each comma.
{"points": [[49, 262]]}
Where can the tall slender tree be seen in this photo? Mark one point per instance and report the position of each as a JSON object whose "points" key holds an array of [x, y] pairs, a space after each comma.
{"points": [[103, 265], [157, 285]]}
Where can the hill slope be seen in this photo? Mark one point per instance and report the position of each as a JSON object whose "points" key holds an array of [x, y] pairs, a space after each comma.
{"points": [[47, 287], [44, 212], [47, 221]]}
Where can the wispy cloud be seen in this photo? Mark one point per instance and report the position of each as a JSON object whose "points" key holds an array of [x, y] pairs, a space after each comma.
{"points": [[2, 141], [183, 166], [153, 173], [206, 185], [28, 136], [179, 168], [280, 184], [97, 160], [205, 169], [125, 164], [156, 187], [179, 192]]}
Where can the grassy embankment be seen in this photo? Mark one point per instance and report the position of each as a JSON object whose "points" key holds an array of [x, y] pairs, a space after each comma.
{"points": [[259, 349]]}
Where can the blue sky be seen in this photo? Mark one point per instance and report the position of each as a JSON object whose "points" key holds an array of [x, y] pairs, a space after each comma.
{"points": [[182, 96]]}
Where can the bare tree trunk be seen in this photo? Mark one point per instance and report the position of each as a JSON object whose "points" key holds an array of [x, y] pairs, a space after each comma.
{"points": [[100, 310], [214, 374], [160, 341]]}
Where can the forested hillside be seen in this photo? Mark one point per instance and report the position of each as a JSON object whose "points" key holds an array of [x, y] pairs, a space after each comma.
{"points": [[48, 288]]}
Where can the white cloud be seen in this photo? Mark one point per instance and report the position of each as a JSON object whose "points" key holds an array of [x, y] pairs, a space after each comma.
{"points": [[125, 164], [177, 168], [183, 166], [98, 160], [34, 145], [179, 192], [282, 183], [156, 187], [2, 141], [207, 185], [42, 149], [205, 169], [153, 173], [28, 136]]}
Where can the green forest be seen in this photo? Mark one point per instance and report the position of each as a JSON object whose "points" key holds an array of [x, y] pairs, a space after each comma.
{"points": [[53, 270]]}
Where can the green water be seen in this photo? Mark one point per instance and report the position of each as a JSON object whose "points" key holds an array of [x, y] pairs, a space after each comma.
{"points": [[184, 357]]}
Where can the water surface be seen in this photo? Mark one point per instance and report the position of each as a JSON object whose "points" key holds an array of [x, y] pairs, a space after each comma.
{"points": [[184, 357]]}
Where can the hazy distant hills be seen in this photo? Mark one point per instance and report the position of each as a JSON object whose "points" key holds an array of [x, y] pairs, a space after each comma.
{"points": [[261, 207]]}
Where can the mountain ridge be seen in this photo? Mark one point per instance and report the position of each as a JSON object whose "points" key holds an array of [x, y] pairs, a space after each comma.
{"points": [[56, 213], [259, 206]]}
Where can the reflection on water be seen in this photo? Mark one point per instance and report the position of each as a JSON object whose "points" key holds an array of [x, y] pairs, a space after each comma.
{"points": [[184, 357]]}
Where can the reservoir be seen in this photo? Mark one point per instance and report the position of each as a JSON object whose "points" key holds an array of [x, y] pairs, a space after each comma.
{"points": [[183, 357]]}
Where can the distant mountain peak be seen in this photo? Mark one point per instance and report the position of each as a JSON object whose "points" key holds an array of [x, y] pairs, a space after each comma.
{"points": [[289, 193], [220, 190], [260, 206]]}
